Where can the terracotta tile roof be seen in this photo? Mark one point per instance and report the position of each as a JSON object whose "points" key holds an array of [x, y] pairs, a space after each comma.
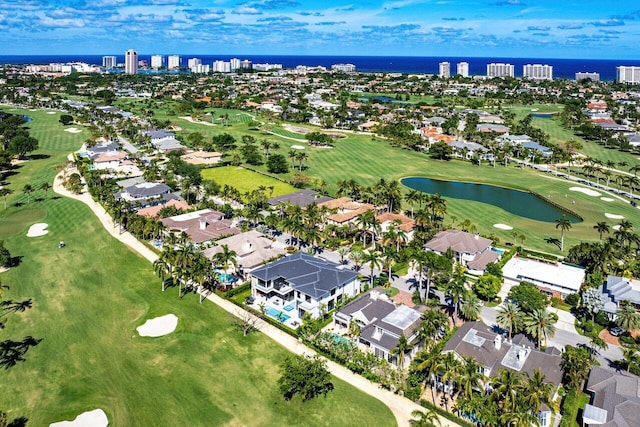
{"points": [[406, 223], [153, 211]]}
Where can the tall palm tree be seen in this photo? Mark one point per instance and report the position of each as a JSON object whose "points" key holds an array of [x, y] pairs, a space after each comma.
{"points": [[412, 197], [563, 224], [470, 306], [536, 392], [455, 291], [631, 356], [27, 189], [226, 259], [373, 259], [540, 325], [4, 192], [509, 317], [401, 349], [602, 227], [434, 322], [45, 186], [357, 256], [505, 389], [470, 377], [343, 251], [627, 317]]}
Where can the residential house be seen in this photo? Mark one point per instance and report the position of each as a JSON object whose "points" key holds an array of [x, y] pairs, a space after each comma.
{"points": [[381, 324], [301, 198], [347, 210], [252, 249], [164, 141], [304, 284], [146, 194], [615, 399], [473, 251], [493, 353], [202, 157], [554, 279], [201, 226], [617, 289], [400, 221], [154, 211]]}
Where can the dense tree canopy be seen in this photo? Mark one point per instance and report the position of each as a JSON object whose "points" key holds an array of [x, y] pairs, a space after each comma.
{"points": [[307, 376], [528, 297]]}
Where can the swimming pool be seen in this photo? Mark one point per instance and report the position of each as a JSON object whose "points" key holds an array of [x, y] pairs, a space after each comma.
{"points": [[226, 278], [289, 307], [498, 251], [277, 314]]}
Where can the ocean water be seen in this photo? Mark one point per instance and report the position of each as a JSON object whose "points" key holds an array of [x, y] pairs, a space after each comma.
{"points": [[562, 68]]}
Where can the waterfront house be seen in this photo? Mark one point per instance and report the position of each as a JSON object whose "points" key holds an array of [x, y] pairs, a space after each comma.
{"points": [[473, 251]]}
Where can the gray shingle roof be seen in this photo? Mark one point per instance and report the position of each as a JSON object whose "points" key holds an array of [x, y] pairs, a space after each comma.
{"points": [[477, 340], [459, 241], [305, 273], [148, 189], [618, 394], [620, 289]]}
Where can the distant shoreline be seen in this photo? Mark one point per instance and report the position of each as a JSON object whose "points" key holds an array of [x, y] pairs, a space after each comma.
{"points": [[562, 68]]}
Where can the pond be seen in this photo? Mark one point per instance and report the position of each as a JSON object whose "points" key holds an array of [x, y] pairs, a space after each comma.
{"points": [[526, 205], [542, 115]]}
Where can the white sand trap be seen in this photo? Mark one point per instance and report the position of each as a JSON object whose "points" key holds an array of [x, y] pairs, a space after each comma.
{"points": [[616, 227], [38, 229], [606, 199], [159, 326], [51, 112], [95, 418], [586, 191], [613, 216], [73, 130], [503, 226], [33, 109], [297, 147]]}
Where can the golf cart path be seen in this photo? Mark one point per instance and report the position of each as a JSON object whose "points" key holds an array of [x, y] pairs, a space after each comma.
{"points": [[401, 407]]}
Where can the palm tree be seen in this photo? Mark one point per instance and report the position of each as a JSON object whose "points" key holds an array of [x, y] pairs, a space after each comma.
{"points": [[471, 377], [627, 317], [470, 306], [631, 356], [563, 224], [343, 251], [226, 258], [536, 392], [505, 389], [45, 186], [373, 259], [357, 257], [540, 325], [601, 227], [425, 418], [455, 291], [434, 323], [27, 189], [509, 317], [4, 192], [411, 197], [401, 349]]}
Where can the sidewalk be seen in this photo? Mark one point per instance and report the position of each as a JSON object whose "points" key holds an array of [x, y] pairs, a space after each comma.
{"points": [[399, 406]]}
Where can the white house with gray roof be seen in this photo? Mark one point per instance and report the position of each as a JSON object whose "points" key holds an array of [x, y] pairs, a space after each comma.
{"points": [[381, 324], [615, 399], [617, 289], [301, 283]]}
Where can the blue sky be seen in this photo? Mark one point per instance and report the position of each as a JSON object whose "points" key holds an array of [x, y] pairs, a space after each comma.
{"points": [[499, 28]]}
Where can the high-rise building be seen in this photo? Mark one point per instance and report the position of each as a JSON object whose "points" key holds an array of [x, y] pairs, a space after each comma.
{"points": [[194, 62], [444, 69], [157, 61], [463, 69], [109, 61], [497, 69], [246, 64], [131, 62], [537, 72], [594, 77], [221, 67], [235, 64], [173, 62], [200, 69], [626, 74], [345, 68]]}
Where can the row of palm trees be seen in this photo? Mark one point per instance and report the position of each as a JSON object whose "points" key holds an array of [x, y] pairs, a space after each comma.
{"points": [[539, 324]]}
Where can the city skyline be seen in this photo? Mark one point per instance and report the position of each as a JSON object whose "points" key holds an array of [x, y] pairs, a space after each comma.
{"points": [[506, 28]]}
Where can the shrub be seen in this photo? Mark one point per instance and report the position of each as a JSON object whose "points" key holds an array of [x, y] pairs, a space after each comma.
{"points": [[602, 319], [625, 339], [572, 300], [587, 326]]}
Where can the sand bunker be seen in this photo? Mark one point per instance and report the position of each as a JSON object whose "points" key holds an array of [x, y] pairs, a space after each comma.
{"points": [[36, 230], [159, 326], [51, 112], [73, 130], [503, 226], [296, 129], [586, 191], [616, 227], [613, 216], [297, 147], [198, 122], [95, 418], [606, 199]]}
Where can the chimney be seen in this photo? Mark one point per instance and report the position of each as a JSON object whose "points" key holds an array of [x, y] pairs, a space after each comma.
{"points": [[203, 224], [522, 353], [497, 342]]}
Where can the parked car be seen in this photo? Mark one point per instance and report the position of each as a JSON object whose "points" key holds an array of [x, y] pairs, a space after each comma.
{"points": [[616, 331]]}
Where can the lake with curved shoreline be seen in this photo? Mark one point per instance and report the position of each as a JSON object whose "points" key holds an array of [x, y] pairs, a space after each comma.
{"points": [[521, 203]]}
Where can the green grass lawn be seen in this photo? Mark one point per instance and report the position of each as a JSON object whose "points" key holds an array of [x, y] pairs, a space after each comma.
{"points": [[246, 180], [89, 297]]}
